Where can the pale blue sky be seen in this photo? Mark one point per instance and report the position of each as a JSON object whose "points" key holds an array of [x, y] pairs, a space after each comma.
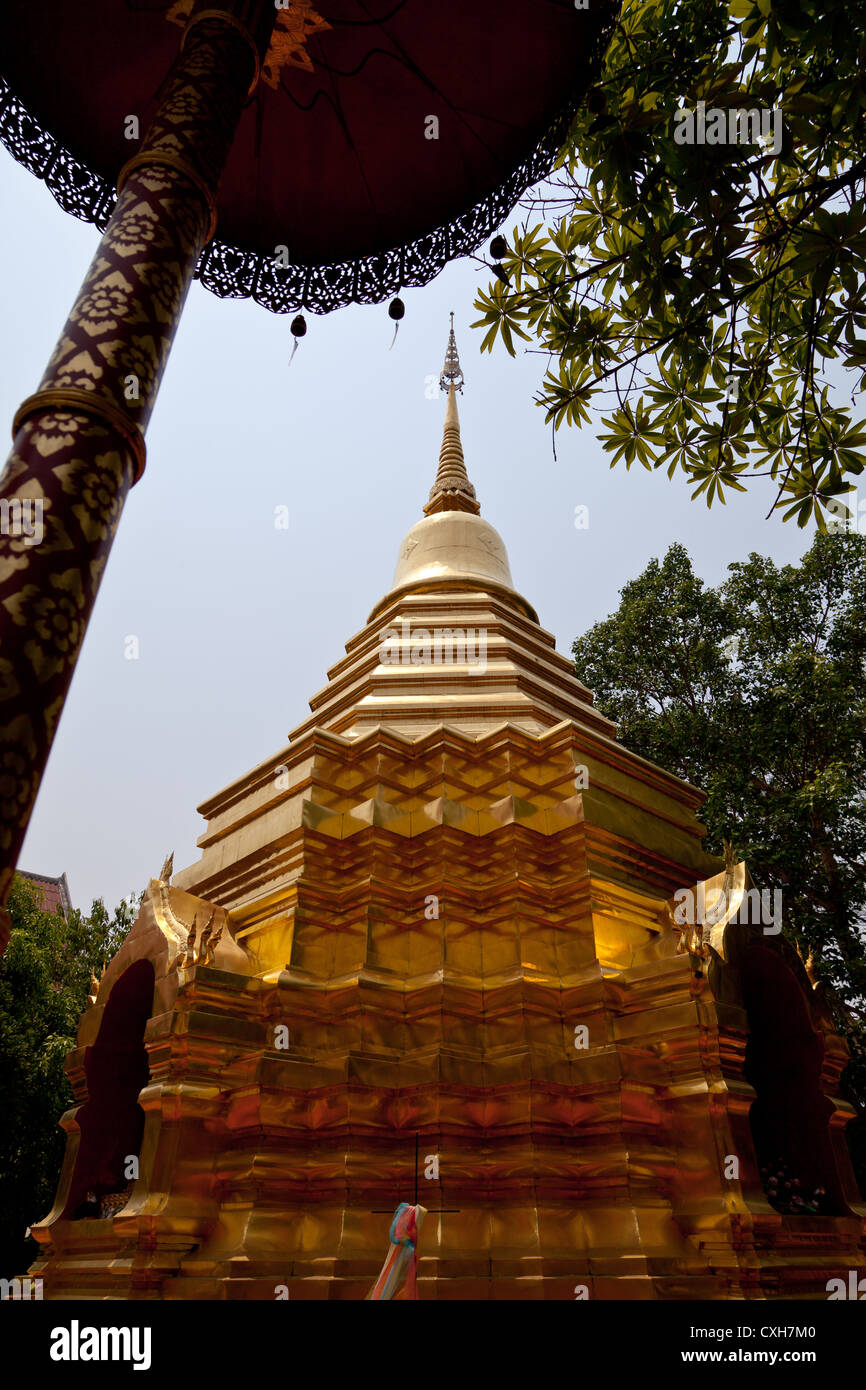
{"points": [[238, 621]]}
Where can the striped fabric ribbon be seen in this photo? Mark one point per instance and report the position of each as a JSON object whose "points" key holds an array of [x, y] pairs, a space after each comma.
{"points": [[401, 1260]]}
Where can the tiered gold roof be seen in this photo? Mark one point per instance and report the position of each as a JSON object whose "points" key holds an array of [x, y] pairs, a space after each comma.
{"points": [[475, 741], [452, 577]]}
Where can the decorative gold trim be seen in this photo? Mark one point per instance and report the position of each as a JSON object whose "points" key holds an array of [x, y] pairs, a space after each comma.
{"points": [[173, 161], [462, 583], [71, 398], [232, 20]]}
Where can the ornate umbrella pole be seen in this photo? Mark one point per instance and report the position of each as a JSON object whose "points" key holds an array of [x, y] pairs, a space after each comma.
{"points": [[79, 441]]}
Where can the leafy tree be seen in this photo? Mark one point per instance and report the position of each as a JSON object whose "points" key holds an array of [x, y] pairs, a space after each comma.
{"points": [[756, 692], [697, 291], [45, 977]]}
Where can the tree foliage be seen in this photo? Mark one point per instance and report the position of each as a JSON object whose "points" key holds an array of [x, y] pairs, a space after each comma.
{"points": [[45, 977], [697, 292], [755, 691]]}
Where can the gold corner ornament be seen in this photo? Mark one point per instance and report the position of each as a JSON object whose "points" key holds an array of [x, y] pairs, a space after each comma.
{"points": [[204, 953]]}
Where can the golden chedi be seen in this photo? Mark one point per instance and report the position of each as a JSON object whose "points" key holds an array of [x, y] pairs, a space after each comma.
{"points": [[439, 949]]}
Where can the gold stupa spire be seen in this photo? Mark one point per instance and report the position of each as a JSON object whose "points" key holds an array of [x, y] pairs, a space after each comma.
{"points": [[452, 373], [452, 490]]}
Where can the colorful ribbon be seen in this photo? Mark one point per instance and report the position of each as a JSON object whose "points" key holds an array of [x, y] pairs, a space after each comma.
{"points": [[401, 1260]]}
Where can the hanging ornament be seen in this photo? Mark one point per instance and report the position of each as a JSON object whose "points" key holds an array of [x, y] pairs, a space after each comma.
{"points": [[498, 248], [396, 310], [299, 328]]}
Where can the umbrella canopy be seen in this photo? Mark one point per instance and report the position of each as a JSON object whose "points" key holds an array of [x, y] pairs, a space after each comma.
{"points": [[385, 138]]}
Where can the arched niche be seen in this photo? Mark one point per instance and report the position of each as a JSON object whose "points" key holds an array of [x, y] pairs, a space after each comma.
{"points": [[111, 1121], [790, 1115]]}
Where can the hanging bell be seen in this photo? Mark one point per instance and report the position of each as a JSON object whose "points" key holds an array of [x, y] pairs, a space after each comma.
{"points": [[299, 328], [498, 248], [396, 310]]}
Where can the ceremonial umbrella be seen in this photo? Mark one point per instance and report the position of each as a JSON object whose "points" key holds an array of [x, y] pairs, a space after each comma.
{"points": [[305, 155]]}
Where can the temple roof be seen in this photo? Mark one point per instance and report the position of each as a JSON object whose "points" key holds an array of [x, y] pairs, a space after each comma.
{"points": [[53, 892]]}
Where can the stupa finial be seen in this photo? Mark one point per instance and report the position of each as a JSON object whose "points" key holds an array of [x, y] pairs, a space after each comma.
{"points": [[452, 490], [452, 374]]}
